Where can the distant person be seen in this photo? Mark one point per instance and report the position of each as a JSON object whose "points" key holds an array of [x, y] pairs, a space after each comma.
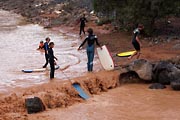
{"points": [[51, 59], [136, 42], [46, 47], [83, 21], [41, 45], [90, 39]]}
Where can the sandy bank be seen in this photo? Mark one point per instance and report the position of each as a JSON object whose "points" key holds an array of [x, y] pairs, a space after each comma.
{"points": [[56, 94]]}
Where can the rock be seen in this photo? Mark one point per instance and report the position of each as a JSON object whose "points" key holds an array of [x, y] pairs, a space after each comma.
{"points": [[175, 85], [129, 77], [176, 47], [34, 105], [164, 78], [165, 73], [157, 86], [160, 72], [143, 68]]}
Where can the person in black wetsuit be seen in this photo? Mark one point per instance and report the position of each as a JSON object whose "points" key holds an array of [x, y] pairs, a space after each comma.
{"points": [[136, 41], [90, 39], [51, 59], [83, 21], [46, 47]]}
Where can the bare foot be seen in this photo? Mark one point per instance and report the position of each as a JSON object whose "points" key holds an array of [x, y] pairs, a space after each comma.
{"points": [[130, 57]]}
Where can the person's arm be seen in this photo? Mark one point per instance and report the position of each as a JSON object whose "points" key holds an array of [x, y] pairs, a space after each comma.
{"points": [[79, 21], [138, 40], [82, 44], [55, 58], [97, 42]]}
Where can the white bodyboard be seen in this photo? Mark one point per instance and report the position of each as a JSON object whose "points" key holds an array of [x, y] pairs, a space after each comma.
{"points": [[105, 58]]}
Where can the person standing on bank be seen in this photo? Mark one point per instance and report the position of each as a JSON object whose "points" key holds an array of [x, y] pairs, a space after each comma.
{"points": [[51, 59], [136, 42], [83, 21], [46, 47], [90, 39]]}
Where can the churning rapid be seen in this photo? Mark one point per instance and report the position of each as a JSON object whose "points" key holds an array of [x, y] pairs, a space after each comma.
{"points": [[18, 51]]}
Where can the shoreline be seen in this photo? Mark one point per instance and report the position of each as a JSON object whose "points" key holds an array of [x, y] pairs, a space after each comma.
{"points": [[93, 83], [57, 94]]}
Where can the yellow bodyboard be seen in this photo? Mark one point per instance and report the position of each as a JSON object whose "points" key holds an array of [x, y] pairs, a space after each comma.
{"points": [[126, 54]]}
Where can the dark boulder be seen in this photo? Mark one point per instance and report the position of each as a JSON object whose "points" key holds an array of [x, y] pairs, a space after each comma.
{"points": [[157, 86], [161, 72], [176, 85], [34, 105]]}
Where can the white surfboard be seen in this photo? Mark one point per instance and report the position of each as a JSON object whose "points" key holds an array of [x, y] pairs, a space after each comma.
{"points": [[105, 58]]}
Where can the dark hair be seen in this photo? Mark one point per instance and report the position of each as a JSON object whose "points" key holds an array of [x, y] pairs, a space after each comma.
{"points": [[51, 43], [90, 31], [47, 38]]}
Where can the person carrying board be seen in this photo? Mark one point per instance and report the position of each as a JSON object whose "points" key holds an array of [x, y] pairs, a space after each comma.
{"points": [[51, 59], [90, 39], [136, 41]]}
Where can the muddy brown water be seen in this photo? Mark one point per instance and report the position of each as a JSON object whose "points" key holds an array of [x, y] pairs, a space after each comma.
{"points": [[128, 102], [18, 51]]}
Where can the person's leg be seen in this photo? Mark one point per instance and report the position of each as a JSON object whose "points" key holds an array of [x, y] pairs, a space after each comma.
{"points": [[134, 54], [138, 54], [81, 29], [52, 69], [88, 63], [91, 57], [137, 48], [46, 57]]}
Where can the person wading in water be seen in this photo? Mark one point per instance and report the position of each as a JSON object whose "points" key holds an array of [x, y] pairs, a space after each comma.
{"points": [[136, 42], [90, 39], [51, 59]]}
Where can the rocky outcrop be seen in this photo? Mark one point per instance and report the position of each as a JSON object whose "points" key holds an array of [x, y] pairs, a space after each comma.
{"points": [[48, 13], [176, 85], [157, 86], [165, 73], [142, 67], [161, 73]]}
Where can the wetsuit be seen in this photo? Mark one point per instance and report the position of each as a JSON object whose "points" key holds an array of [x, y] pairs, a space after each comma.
{"points": [[91, 39], [83, 23], [46, 47], [134, 41], [51, 62]]}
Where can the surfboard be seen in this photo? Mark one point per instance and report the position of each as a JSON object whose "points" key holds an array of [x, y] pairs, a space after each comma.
{"points": [[105, 58], [81, 92], [38, 70], [126, 54]]}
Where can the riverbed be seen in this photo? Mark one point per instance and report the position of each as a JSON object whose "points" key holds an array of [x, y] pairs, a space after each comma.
{"points": [[18, 51]]}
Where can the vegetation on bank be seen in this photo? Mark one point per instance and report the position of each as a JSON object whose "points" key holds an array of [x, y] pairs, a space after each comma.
{"points": [[126, 14], [123, 14]]}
